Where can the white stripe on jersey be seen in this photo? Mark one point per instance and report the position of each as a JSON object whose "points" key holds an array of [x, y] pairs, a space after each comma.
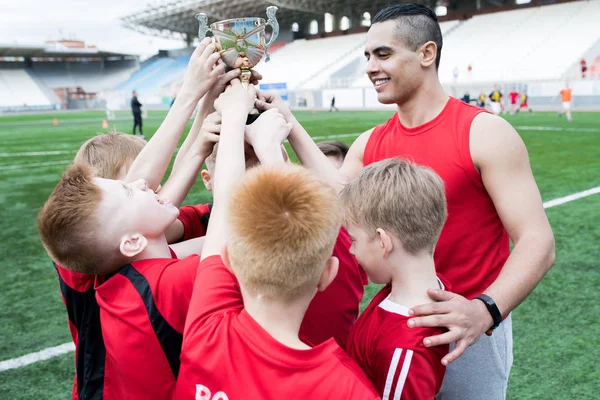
{"points": [[403, 374], [391, 373]]}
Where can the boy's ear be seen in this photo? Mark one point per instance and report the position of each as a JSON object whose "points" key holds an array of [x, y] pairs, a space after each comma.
{"points": [[132, 245], [385, 241], [329, 273], [206, 179]]}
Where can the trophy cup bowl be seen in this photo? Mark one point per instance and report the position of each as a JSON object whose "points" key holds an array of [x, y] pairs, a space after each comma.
{"points": [[241, 41]]}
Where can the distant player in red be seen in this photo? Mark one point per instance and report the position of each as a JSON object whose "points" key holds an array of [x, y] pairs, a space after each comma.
{"points": [[399, 253], [524, 102], [514, 98], [331, 313], [241, 339]]}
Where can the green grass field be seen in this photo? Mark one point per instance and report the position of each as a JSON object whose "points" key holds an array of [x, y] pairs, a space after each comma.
{"points": [[556, 329]]}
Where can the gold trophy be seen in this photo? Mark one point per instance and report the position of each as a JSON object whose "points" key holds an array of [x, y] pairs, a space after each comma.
{"points": [[241, 41]]}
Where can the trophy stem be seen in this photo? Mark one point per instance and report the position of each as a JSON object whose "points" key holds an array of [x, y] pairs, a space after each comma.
{"points": [[245, 79]]}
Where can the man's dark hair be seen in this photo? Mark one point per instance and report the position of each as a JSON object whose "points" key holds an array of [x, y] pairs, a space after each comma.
{"points": [[334, 148], [417, 23]]}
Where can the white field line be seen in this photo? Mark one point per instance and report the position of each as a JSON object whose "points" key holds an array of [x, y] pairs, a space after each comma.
{"points": [[51, 352], [571, 197], [22, 166], [57, 152], [555, 128], [41, 355], [340, 136], [38, 153]]}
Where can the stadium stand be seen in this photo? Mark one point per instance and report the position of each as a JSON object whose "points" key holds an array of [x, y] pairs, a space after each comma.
{"points": [[58, 74], [524, 45], [155, 76], [529, 44], [345, 69], [91, 76], [18, 89]]}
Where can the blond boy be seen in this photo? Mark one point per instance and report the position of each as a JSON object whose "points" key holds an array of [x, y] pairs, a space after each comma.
{"points": [[395, 211]]}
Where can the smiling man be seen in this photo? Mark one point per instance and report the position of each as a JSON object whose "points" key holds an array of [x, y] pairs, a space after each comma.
{"points": [[491, 193]]}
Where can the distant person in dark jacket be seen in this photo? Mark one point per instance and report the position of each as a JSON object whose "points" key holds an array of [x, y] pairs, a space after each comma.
{"points": [[333, 107], [466, 98], [137, 113]]}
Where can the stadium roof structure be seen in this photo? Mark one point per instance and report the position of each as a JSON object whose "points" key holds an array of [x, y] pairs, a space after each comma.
{"points": [[45, 51], [175, 19]]}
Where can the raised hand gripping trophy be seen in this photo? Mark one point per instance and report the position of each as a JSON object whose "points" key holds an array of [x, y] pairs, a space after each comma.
{"points": [[241, 41]]}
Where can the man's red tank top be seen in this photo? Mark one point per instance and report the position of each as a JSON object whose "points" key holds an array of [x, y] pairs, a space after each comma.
{"points": [[473, 245]]}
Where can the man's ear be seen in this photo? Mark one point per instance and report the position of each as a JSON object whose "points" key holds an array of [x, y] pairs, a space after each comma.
{"points": [[206, 179], [385, 242], [329, 273], [132, 245], [428, 54]]}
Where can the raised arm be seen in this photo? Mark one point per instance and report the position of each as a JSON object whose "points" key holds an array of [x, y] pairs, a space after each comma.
{"points": [[207, 107], [202, 73], [233, 105], [309, 154], [500, 154], [181, 180], [266, 135]]}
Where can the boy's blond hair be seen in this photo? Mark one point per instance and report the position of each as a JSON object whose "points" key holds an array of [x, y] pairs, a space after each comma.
{"points": [[68, 223], [107, 153], [283, 225], [403, 198]]}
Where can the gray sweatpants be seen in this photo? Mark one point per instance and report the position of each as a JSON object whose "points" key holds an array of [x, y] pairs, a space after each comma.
{"points": [[481, 373]]}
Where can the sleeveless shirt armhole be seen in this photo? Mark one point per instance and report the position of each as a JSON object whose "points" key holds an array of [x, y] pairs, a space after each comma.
{"points": [[368, 153], [465, 150]]}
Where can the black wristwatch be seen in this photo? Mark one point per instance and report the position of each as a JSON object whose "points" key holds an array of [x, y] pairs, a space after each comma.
{"points": [[493, 310]]}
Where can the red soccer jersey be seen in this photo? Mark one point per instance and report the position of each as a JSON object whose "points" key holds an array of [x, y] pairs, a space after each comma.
{"points": [[228, 355], [393, 355], [84, 324], [94, 377], [333, 312], [142, 312], [473, 245], [514, 96], [194, 220]]}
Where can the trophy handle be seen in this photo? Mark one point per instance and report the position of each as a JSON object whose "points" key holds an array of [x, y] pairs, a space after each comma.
{"points": [[203, 27], [272, 20]]}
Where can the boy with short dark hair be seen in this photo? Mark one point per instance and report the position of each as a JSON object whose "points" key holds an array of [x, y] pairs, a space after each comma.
{"points": [[334, 150]]}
